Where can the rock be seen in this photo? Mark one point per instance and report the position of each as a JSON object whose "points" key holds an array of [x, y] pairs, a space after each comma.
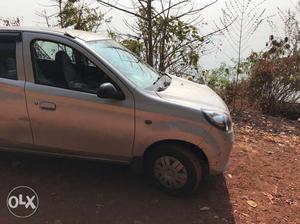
{"points": [[205, 208], [245, 214], [253, 204], [99, 205], [269, 196]]}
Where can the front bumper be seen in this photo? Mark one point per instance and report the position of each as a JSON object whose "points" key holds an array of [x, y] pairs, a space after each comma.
{"points": [[217, 147]]}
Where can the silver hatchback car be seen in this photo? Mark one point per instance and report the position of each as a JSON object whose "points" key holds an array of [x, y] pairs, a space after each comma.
{"points": [[78, 94]]}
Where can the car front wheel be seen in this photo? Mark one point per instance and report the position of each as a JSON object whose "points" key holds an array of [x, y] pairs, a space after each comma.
{"points": [[174, 168]]}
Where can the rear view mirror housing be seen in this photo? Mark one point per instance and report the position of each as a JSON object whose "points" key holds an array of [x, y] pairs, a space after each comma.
{"points": [[108, 91]]}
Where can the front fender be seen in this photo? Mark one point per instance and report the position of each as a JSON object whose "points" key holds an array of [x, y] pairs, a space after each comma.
{"points": [[167, 128]]}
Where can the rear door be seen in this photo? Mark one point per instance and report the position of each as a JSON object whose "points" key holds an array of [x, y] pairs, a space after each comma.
{"points": [[14, 122]]}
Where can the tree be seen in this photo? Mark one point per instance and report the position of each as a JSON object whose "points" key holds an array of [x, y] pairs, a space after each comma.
{"points": [[219, 78], [175, 50], [247, 17], [275, 75], [77, 14], [170, 39], [291, 26]]}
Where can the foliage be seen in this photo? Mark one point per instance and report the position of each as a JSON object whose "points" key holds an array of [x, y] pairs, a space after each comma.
{"points": [[291, 26], [222, 80], [219, 78], [274, 84], [80, 16], [134, 46], [176, 50], [275, 78], [77, 14], [268, 80]]}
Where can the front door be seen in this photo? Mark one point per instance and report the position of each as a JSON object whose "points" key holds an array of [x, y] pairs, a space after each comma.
{"points": [[66, 114]]}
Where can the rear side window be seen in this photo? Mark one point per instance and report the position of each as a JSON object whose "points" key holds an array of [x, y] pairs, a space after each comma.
{"points": [[8, 69]]}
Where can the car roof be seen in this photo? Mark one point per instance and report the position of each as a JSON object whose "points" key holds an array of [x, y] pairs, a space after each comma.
{"points": [[85, 36]]}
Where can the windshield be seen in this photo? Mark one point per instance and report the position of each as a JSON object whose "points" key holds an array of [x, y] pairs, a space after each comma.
{"points": [[126, 62]]}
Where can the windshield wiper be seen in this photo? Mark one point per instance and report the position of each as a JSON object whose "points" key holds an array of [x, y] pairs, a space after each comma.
{"points": [[157, 80], [166, 82]]}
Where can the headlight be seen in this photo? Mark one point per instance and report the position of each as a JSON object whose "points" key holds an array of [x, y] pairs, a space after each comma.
{"points": [[220, 121]]}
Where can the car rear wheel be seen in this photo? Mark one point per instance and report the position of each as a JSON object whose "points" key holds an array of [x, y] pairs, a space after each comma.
{"points": [[174, 169]]}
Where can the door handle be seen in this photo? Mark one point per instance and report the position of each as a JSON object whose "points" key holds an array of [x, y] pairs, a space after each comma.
{"points": [[47, 105]]}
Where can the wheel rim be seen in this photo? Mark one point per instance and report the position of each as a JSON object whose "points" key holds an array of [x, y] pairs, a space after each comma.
{"points": [[170, 172]]}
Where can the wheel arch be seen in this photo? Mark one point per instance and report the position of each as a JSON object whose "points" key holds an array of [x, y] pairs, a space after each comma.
{"points": [[189, 146]]}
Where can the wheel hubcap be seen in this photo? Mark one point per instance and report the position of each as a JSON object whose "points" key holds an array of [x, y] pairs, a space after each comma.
{"points": [[170, 172]]}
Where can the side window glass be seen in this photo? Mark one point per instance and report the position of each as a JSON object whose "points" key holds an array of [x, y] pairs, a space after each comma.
{"points": [[59, 65], [8, 69], [47, 50]]}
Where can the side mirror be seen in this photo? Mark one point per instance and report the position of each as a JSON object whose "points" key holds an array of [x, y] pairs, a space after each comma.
{"points": [[108, 91]]}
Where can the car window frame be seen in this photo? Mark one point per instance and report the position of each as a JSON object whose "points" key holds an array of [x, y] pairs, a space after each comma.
{"points": [[12, 37], [128, 89], [73, 48]]}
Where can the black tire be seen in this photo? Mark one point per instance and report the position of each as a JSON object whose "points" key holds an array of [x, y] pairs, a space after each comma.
{"points": [[188, 160]]}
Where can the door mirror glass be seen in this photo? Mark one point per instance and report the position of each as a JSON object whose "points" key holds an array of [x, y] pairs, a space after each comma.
{"points": [[108, 91]]}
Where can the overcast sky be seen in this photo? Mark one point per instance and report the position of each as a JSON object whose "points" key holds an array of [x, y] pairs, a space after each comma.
{"points": [[27, 8]]}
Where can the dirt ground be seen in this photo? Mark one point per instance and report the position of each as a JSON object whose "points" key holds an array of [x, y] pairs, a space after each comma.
{"points": [[262, 185], [264, 170]]}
